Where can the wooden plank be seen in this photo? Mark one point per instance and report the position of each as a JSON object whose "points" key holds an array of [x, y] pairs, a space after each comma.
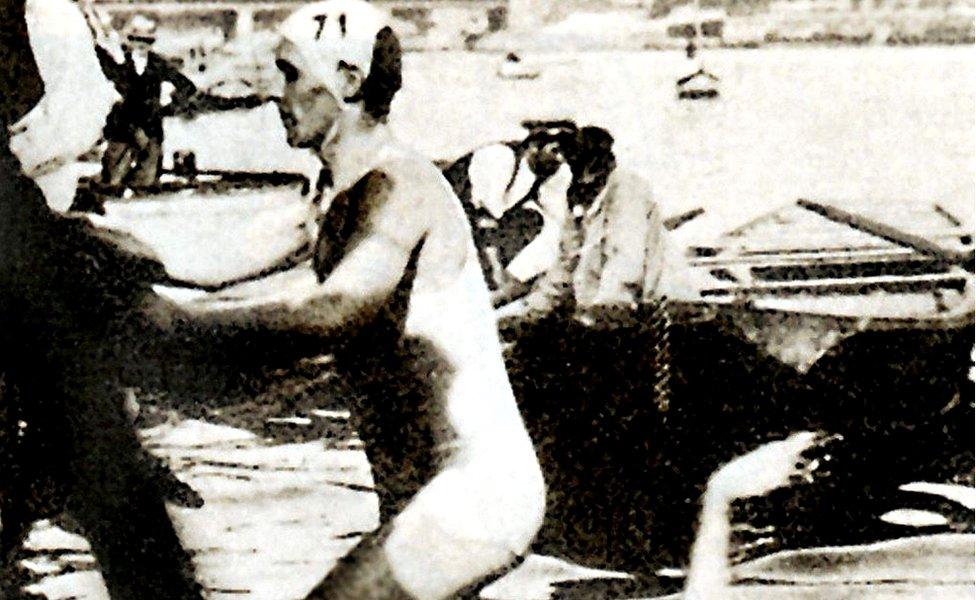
{"points": [[923, 265], [786, 251], [936, 231], [892, 234], [728, 253], [808, 257], [948, 215], [805, 240], [679, 220], [891, 283]]}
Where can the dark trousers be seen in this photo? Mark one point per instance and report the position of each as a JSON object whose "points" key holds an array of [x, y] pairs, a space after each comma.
{"points": [[135, 162]]}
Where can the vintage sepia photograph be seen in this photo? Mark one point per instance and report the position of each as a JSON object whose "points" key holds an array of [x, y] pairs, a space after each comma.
{"points": [[487, 299]]}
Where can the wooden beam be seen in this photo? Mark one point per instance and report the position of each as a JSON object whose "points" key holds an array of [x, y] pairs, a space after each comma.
{"points": [[890, 233], [679, 220], [859, 285], [947, 215], [809, 257]]}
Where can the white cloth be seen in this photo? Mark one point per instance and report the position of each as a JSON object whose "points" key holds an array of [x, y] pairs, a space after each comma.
{"points": [[77, 96], [497, 183], [489, 172], [542, 252]]}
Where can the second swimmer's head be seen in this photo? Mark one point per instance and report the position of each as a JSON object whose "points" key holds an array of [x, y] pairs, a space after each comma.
{"points": [[337, 57]]}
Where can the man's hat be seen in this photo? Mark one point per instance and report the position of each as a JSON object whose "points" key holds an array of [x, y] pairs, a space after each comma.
{"points": [[553, 126], [140, 28]]}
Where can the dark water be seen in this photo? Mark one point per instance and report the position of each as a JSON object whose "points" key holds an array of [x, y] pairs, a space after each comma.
{"points": [[625, 479]]}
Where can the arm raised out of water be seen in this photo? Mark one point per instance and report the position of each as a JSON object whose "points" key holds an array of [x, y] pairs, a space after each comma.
{"points": [[370, 246], [768, 467]]}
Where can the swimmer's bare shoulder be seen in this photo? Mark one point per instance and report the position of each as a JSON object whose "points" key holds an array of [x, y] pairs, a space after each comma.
{"points": [[412, 187], [410, 199]]}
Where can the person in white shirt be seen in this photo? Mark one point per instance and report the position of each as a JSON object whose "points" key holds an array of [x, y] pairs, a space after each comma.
{"points": [[610, 240], [514, 194]]}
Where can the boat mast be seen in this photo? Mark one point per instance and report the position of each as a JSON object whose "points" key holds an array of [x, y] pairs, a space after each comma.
{"points": [[699, 35]]}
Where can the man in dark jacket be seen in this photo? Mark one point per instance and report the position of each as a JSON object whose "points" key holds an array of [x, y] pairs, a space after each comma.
{"points": [[67, 303], [134, 130]]}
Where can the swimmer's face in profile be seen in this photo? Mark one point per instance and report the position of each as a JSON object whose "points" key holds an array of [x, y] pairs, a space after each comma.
{"points": [[308, 110], [340, 63]]}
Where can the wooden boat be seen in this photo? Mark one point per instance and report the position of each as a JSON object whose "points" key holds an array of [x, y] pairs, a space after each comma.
{"points": [[697, 86], [863, 267], [854, 320]]}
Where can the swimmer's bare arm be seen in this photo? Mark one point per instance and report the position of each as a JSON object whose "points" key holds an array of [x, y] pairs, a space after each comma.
{"points": [[296, 300], [771, 466]]}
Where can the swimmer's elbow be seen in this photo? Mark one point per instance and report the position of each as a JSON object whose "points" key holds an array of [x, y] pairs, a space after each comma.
{"points": [[326, 314]]}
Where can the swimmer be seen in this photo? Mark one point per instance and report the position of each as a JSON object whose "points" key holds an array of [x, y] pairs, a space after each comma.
{"points": [[396, 276]]}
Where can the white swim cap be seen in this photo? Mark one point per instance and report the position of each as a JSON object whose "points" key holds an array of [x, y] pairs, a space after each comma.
{"points": [[334, 35]]}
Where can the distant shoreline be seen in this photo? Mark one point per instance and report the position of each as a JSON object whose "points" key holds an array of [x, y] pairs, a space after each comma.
{"points": [[935, 37], [480, 26], [781, 43]]}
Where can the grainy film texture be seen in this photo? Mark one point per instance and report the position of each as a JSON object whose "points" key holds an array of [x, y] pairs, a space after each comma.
{"points": [[499, 299]]}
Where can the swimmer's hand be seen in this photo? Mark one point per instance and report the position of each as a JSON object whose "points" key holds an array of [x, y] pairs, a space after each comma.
{"points": [[769, 467]]}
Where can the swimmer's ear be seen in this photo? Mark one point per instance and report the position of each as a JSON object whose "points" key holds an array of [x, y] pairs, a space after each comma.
{"points": [[385, 79], [352, 79]]}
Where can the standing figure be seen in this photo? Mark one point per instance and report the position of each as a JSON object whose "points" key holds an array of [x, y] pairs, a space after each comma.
{"points": [[134, 131], [396, 284]]}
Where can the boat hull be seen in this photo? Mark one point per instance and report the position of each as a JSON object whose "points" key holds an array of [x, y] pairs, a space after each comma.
{"points": [[625, 477]]}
